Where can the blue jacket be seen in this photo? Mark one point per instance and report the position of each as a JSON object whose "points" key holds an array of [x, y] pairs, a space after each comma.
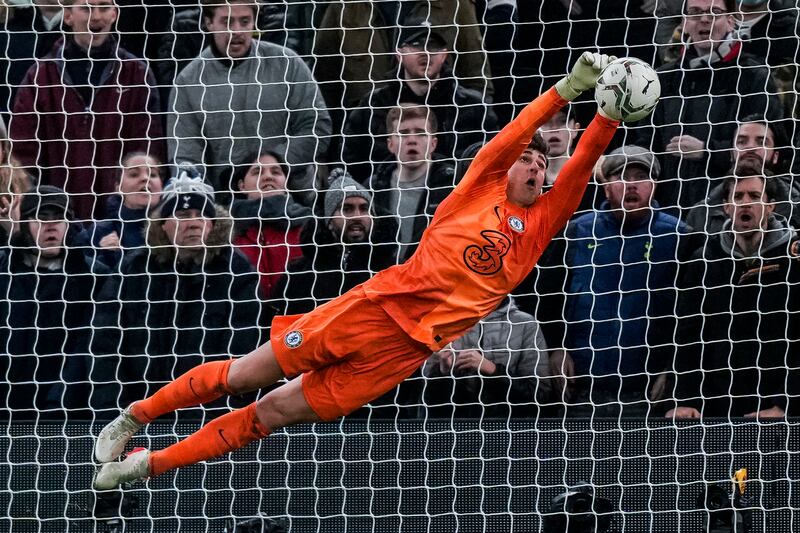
{"points": [[129, 224], [619, 278]]}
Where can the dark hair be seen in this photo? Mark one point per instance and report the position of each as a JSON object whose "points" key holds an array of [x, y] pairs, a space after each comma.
{"points": [[539, 144], [130, 155], [241, 170], [749, 169], [209, 6], [410, 111]]}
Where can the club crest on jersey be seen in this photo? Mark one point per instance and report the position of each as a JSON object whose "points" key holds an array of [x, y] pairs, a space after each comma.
{"points": [[516, 224], [293, 339]]}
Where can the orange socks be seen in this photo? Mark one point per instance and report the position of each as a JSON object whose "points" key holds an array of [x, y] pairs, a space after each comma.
{"points": [[199, 385], [229, 432]]}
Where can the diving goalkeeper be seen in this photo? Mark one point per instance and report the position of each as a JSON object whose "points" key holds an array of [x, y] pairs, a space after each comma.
{"points": [[484, 240]]}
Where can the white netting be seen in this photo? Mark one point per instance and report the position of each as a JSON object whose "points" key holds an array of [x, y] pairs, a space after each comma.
{"points": [[309, 143]]}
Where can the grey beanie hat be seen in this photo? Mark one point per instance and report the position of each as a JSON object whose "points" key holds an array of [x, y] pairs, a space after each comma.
{"points": [[616, 161], [343, 187]]}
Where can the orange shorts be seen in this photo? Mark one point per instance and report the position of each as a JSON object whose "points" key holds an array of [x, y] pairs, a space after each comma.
{"points": [[349, 352]]}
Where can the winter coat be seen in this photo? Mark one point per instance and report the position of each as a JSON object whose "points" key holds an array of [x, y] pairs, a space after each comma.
{"points": [[739, 325], [222, 113], [267, 231], [463, 117], [46, 330], [706, 103], [619, 284], [122, 118], [439, 184], [513, 341], [328, 269], [128, 224], [774, 38], [173, 316]]}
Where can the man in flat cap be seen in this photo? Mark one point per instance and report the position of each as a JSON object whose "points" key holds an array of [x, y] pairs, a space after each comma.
{"points": [[615, 284]]}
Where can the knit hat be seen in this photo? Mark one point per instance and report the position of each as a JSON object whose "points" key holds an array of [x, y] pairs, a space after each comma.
{"points": [[41, 198], [616, 161], [342, 187], [185, 192]]}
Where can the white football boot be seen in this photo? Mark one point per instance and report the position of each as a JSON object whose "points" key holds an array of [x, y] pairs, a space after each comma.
{"points": [[135, 466], [113, 438]]}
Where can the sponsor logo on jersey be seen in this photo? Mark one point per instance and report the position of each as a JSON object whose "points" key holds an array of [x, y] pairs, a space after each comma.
{"points": [[487, 259], [293, 339], [516, 224]]}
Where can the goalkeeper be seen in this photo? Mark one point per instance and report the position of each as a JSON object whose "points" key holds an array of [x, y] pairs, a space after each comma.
{"points": [[485, 238]]}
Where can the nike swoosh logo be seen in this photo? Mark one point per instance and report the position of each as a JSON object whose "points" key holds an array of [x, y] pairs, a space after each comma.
{"points": [[497, 212], [593, 245], [222, 436], [191, 387]]}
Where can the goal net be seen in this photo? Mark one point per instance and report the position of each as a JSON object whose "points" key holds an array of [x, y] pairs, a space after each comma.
{"points": [[174, 175]]}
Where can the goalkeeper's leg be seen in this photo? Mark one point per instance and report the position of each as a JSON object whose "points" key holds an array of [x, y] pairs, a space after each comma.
{"points": [[281, 407], [200, 385]]}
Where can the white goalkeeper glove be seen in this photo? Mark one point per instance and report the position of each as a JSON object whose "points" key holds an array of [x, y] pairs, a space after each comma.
{"points": [[583, 76]]}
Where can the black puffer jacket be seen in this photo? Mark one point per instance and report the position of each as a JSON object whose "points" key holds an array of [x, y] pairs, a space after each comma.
{"points": [[328, 268], [46, 330], [739, 325], [173, 316]]}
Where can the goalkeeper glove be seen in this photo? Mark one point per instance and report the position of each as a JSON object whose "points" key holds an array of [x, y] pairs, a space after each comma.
{"points": [[583, 76]]}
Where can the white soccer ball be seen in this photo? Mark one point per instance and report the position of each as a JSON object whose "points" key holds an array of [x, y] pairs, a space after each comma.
{"points": [[627, 89]]}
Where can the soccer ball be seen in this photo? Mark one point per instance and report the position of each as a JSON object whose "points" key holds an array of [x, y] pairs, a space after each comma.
{"points": [[627, 89]]}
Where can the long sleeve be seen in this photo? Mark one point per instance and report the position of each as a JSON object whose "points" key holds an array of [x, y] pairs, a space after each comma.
{"points": [[185, 140]]}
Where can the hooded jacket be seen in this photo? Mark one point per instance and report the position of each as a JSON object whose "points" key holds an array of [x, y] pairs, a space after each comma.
{"points": [[267, 232], [513, 341], [739, 325], [705, 102], [79, 144], [173, 315]]}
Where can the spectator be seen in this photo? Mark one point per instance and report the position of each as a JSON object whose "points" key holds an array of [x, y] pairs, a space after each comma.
{"points": [[425, 79], [414, 183], [241, 96], [703, 95], [287, 24], [124, 224], [498, 368], [738, 311], [343, 250], [768, 30], [29, 33], [267, 220], [187, 297], [356, 40], [48, 293], [84, 106], [616, 288], [755, 146]]}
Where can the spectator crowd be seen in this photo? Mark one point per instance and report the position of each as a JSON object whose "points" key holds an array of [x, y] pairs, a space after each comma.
{"points": [[172, 176]]}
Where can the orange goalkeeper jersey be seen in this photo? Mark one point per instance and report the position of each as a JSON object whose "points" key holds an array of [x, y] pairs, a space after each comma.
{"points": [[479, 246]]}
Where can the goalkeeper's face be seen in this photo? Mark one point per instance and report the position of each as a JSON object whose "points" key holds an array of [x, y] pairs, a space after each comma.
{"points": [[91, 21], [232, 27], [526, 178]]}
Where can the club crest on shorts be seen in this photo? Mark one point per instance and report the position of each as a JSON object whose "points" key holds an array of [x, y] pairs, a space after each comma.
{"points": [[293, 339], [516, 224]]}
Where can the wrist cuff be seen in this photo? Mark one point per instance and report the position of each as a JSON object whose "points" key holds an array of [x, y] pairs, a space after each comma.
{"points": [[566, 90]]}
